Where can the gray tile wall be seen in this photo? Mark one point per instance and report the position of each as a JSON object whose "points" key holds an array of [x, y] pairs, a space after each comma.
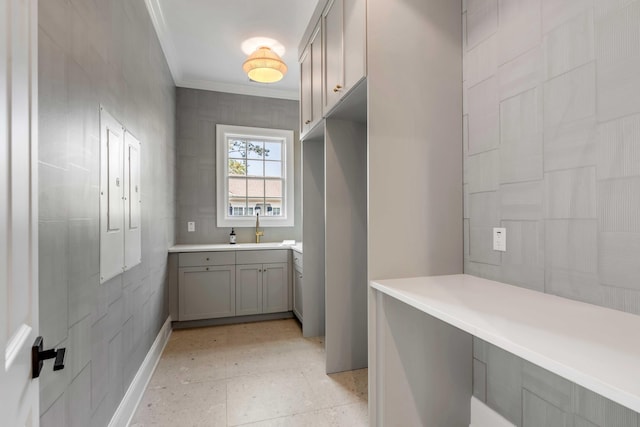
{"points": [[94, 52], [198, 112], [552, 146], [530, 396], [552, 153]]}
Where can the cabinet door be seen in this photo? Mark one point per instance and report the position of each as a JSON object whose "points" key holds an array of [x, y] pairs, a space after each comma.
{"points": [[275, 288], [306, 114], [248, 289], [354, 42], [206, 292], [333, 56], [316, 75], [297, 293]]}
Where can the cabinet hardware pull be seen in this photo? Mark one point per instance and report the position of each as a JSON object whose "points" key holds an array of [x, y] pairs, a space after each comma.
{"points": [[207, 268], [306, 122], [337, 88], [207, 259]]}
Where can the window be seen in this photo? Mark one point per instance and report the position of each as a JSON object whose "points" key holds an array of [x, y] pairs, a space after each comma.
{"points": [[254, 175]]}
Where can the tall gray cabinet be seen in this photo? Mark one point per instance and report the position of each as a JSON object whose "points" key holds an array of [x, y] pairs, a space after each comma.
{"points": [[384, 164]]}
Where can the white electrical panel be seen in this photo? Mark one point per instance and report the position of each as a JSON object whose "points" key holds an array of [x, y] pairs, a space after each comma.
{"points": [[120, 202], [111, 197], [133, 235]]}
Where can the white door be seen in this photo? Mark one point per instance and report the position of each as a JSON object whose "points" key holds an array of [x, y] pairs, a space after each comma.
{"points": [[18, 212]]}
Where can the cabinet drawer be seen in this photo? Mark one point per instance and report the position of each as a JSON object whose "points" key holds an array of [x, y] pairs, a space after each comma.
{"points": [[197, 259], [297, 259], [262, 257]]}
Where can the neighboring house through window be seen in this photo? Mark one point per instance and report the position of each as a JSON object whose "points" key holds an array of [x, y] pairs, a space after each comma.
{"points": [[254, 175]]}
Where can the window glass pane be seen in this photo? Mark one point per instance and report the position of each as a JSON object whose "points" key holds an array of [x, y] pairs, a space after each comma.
{"points": [[265, 208], [237, 207], [237, 187], [237, 167], [255, 168], [273, 188], [273, 169], [256, 188], [237, 149], [273, 150], [255, 149], [273, 207]]}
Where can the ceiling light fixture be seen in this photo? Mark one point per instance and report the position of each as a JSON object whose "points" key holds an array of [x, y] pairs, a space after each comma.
{"points": [[264, 66]]}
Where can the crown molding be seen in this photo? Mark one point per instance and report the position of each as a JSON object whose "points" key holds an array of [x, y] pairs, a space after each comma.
{"points": [[157, 18]]}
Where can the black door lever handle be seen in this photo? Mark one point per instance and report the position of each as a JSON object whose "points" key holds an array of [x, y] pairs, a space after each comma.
{"points": [[38, 356]]}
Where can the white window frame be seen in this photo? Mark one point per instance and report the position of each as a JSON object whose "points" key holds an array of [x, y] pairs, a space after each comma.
{"points": [[223, 133]]}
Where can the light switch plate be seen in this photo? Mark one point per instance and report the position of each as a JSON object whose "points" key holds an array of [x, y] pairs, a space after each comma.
{"points": [[191, 226], [500, 239]]}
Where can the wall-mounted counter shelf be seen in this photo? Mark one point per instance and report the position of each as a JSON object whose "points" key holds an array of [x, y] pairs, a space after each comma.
{"points": [[595, 347]]}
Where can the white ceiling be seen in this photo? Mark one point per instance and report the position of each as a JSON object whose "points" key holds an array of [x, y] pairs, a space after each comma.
{"points": [[202, 41]]}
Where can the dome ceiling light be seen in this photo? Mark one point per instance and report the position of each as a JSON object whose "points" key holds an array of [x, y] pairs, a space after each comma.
{"points": [[264, 66]]}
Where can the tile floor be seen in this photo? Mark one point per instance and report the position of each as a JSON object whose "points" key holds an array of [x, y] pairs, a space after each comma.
{"points": [[253, 374]]}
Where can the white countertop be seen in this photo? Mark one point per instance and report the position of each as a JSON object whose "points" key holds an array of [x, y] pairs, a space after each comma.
{"points": [[297, 247], [595, 347], [228, 247]]}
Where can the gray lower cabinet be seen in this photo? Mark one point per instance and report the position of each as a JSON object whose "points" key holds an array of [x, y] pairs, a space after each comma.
{"points": [[297, 284], [248, 289], [233, 283], [297, 293], [275, 289], [261, 288], [206, 292]]}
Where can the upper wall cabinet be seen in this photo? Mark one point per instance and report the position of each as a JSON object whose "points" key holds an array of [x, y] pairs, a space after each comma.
{"points": [[120, 237], [306, 79], [333, 60], [343, 23], [311, 82]]}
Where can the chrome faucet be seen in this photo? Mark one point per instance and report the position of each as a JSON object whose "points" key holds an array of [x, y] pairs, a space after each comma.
{"points": [[258, 232]]}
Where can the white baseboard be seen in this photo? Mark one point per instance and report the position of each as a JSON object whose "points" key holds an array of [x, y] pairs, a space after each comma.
{"points": [[483, 416], [133, 396]]}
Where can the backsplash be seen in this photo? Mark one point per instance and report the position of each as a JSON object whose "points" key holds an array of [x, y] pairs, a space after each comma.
{"points": [[552, 146], [552, 153], [197, 114]]}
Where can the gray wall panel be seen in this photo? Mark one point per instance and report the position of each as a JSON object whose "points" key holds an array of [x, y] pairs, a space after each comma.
{"points": [[530, 396], [93, 53], [346, 245], [415, 134], [197, 114]]}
